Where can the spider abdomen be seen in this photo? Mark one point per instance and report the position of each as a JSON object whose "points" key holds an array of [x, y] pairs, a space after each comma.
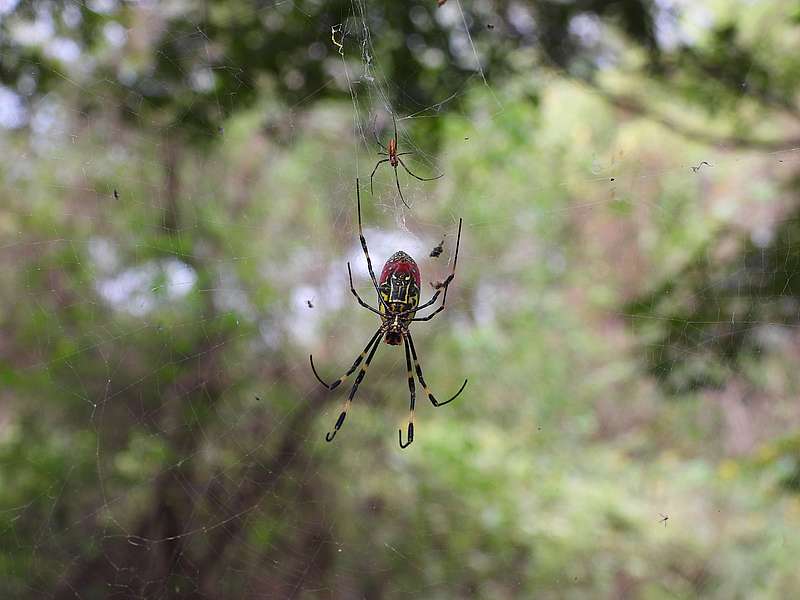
{"points": [[399, 289]]}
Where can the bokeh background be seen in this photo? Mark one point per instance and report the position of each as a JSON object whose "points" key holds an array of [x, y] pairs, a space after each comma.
{"points": [[177, 207]]}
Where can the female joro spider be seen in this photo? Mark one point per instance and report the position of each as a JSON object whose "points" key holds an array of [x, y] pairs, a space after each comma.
{"points": [[398, 301], [393, 158]]}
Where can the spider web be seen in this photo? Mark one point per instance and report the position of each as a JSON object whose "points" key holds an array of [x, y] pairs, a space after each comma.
{"points": [[179, 433]]}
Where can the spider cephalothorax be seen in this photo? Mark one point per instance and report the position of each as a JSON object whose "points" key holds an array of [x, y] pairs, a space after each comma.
{"points": [[398, 303]]}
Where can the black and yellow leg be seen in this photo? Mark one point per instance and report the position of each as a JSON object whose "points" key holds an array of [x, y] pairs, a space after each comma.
{"points": [[433, 400], [444, 286], [413, 392], [357, 362], [426, 305], [346, 406], [364, 245], [355, 293], [433, 314]]}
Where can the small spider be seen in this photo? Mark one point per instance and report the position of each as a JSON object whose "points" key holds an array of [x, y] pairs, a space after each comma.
{"points": [[437, 250], [393, 158], [398, 302]]}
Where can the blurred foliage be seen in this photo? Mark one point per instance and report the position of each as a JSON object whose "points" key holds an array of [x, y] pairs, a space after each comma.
{"points": [[735, 301], [160, 431], [724, 312], [191, 65]]}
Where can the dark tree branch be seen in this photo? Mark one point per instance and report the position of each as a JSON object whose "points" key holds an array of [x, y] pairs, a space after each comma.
{"points": [[634, 106], [162, 525], [259, 479]]}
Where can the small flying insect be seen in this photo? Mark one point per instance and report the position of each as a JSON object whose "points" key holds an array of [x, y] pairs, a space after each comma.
{"points": [[398, 292], [310, 304], [116, 194], [393, 158], [664, 519], [697, 168]]}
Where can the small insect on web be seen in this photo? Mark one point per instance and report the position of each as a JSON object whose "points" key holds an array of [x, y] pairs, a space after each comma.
{"points": [[398, 302], [437, 250], [393, 158]]}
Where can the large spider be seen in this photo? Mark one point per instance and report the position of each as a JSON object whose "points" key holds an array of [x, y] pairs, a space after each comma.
{"points": [[398, 301], [393, 158]]}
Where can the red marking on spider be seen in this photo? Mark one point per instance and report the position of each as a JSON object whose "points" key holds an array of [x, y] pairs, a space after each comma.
{"points": [[399, 263]]}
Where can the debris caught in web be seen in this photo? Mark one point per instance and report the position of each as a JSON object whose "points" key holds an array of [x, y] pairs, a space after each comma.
{"points": [[340, 42], [437, 250]]}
